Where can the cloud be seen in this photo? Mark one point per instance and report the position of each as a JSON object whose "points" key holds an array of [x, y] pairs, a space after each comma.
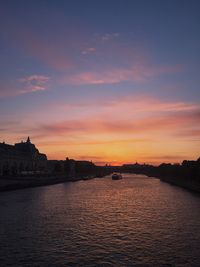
{"points": [[95, 142], [129, 118], [24, 85], [144, 104], [109, 36], [51, 50], [192, 132], [33, 83], [136, 73], [128, 131], [88, 50], [132, 105], [173, 124], [33, 78]]}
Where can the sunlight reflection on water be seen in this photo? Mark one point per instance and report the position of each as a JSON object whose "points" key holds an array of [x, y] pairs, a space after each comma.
{"points": [[136, 221]]}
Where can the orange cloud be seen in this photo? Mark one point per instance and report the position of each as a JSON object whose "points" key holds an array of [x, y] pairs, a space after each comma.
{"points": [[126, 130], [169, 123]]}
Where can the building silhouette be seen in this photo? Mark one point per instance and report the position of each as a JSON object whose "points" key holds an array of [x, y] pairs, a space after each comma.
{"points": [[21, 158]]}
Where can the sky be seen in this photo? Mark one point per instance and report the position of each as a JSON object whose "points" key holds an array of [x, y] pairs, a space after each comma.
{"points": [[112, 81]]}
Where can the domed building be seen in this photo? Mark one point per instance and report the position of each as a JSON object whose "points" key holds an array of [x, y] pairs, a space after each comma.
{"points": [[21, 159]]}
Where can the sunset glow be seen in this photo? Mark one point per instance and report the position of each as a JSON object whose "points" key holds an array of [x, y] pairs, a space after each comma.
{"points": [[108, 85]]}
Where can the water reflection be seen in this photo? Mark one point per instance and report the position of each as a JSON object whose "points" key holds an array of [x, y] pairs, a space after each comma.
{"points": [[136, 221]]}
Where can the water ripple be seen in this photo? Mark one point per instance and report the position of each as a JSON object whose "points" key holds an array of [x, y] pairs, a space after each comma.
{"points": [[137, 221]]}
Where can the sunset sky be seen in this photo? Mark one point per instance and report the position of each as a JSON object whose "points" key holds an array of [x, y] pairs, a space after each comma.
{"points": [[104, 80]]}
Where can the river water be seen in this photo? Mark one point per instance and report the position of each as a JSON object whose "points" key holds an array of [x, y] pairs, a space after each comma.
{"points": [[136, 221]]}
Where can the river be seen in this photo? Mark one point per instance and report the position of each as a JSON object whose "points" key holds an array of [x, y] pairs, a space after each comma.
{"points": [[136, 221]]}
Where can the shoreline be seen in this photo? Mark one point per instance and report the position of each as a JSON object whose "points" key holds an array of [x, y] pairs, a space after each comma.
{"points": [[12, 184], [190, 185]]}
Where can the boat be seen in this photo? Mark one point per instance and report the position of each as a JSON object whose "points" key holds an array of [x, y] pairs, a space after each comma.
{"points": [[116, 176]]}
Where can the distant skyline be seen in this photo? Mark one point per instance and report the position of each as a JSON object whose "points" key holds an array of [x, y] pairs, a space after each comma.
{"points": [[109, 81]]}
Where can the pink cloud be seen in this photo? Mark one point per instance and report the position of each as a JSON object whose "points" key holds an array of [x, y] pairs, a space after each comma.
{"points": [[174, 123], [33, 83], [118, 126], [132, 105], [144, 104], [137, 73], [95, 142], [51, 54], [42, 47], [24, 85], [38, 78]]}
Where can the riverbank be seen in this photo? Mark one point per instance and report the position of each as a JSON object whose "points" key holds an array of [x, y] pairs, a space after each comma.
{"points": [[8, 184], [186, 174], [191, 185], [15, 183]]}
